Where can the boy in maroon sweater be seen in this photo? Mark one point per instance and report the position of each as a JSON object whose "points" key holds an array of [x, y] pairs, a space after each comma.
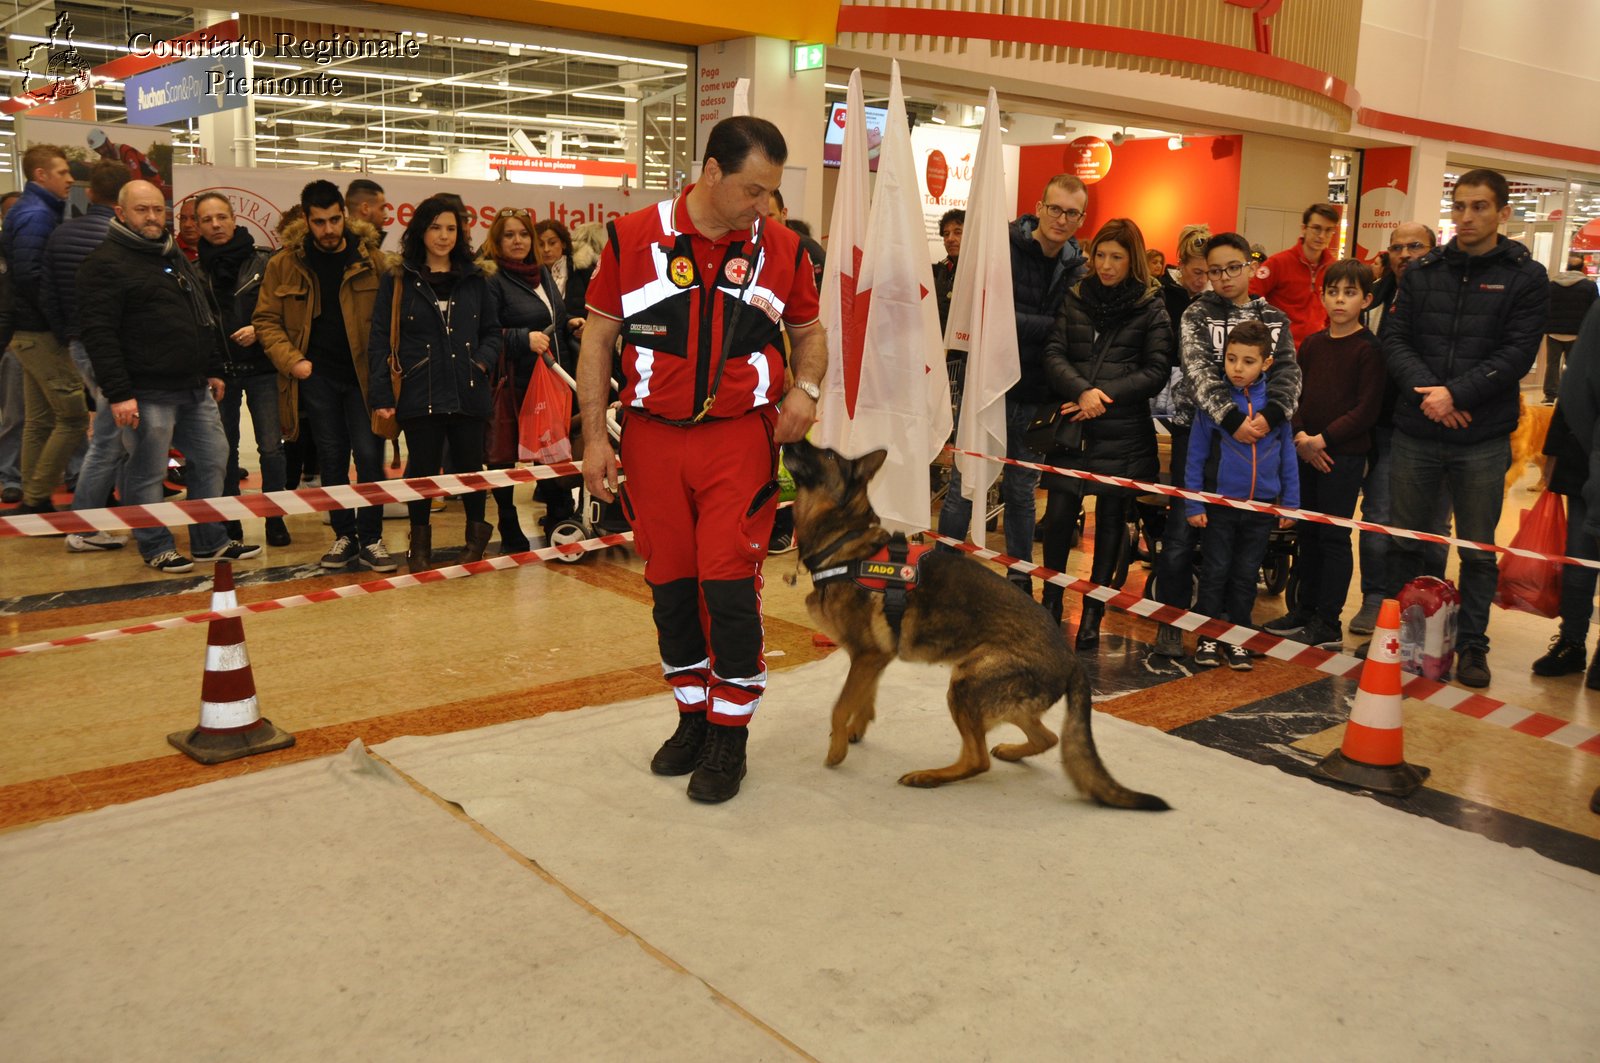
{"points": [[1341, 394]]}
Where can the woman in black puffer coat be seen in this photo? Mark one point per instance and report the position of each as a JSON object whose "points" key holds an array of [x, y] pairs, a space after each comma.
{"points": [[448, 344], [533, 324], [1107, 358]]}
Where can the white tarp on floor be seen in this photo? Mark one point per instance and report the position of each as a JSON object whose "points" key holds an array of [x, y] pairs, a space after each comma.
{"points": [[322, 911], [1002, 918]]}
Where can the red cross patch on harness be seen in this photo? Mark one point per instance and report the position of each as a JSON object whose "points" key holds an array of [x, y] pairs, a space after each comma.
{"points": [[737, 270]]}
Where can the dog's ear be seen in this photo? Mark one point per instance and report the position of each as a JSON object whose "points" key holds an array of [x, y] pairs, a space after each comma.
{"points": [[867, 466]]}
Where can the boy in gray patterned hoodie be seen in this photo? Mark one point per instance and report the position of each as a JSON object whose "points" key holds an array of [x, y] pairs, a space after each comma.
{"points": [[1203, 334]]}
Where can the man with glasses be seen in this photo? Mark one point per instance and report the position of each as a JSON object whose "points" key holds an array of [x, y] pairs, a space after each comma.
{"points": [[1291, 280], [151, 334], [1410, 242], [1045, 262], [1463, 333]]}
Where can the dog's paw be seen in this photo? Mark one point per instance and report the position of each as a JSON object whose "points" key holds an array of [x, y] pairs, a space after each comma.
{"points": [[1011, 753], [922, 779], [836, 752], [858, 731]]}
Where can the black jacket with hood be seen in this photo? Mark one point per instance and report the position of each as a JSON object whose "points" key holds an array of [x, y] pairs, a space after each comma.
{"points": [[1038, 283], [447, 360]]}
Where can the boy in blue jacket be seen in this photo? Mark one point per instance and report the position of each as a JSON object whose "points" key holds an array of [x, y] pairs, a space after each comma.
{"points": [[1235, 540]]}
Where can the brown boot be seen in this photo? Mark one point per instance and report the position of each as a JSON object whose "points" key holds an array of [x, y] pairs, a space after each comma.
{"points": [[419, 557], [478, 532]]}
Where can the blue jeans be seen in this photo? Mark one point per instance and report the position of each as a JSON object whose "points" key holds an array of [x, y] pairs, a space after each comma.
{"points": [[261, 392], [1325, 563], [1232, 544], [105, 459], [342, 427], [1376, 508], [12, 417], [189, 421], [1577, 582], [1475, 475], [1018, 487]]}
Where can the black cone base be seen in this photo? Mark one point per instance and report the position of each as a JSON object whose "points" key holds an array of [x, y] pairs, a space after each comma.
{"points": [[215, 747], [1400, 780]]}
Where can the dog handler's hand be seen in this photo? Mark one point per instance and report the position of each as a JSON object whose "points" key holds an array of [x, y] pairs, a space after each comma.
{"points": [[600, 467], [795, 417]]}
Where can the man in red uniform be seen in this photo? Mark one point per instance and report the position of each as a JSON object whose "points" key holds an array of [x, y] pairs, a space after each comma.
{"points": [[700, 289], [1291, 280]]}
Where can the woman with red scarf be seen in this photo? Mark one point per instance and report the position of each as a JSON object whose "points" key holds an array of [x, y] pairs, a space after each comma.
{"points": [[533, 321]]}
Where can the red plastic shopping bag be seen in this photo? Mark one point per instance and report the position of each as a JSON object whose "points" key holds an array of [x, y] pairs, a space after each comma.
{"points": [[544, 425], [1531, 585]]}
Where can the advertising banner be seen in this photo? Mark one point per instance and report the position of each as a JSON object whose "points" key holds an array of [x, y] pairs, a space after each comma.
{"points": [[260, 196], [185, 90], [146, 151], [1383, 203], [944, 157]]}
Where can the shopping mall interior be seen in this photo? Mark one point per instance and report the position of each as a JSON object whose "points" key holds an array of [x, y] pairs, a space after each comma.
{"points": [[465, 855]]}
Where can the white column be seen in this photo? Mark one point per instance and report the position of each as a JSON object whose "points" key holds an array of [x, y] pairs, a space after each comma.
{"points": [[793, 102]]}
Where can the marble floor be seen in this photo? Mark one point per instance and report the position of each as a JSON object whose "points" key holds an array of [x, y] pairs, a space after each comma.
{"points": [[86, 726]]}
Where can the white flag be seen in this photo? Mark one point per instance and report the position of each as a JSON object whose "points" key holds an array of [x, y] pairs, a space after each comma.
{"points": [[983, 320], [896, 393], [843, 318]]}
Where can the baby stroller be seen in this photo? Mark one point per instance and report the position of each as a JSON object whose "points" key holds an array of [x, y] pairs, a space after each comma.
{"points": [[592, 517]]}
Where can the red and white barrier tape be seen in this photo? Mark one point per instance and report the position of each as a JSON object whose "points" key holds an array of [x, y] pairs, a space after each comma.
{"points": [[1433, 692], [353, 590], [1294, 514], [277, 503]]}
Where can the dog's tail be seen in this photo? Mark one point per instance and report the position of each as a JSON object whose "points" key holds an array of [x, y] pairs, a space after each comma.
{"points": [[1082, 762]]}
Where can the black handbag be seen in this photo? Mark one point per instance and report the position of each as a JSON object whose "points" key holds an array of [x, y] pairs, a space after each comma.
{"points": [[1050, 431]]}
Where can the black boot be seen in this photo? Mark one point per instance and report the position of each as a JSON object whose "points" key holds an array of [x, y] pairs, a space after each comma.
{"points": [[478, 532], [1052, 601], [679, 754], [419, 557], [277, 533], [1592, 679], [512, 540], [1089, 624], [721, 768]]}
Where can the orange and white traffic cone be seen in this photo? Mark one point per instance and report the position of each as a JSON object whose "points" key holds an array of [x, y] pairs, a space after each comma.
{"points": [[231, 725], [1373, 754]]}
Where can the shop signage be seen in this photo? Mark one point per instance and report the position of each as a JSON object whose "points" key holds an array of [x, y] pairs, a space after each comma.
{"points": [[1384, 202], [936, 173], [1088, 159], [187, 89], [575, 167], [259, 196]]}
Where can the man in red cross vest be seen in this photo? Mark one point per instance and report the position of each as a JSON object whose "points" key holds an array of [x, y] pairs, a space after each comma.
{"points": [[700, 289]]}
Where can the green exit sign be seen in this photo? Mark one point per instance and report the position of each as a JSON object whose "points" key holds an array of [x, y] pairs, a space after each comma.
{"points": [[809, 57]]}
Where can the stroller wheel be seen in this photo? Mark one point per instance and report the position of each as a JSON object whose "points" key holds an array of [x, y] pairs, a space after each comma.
{"points": [[569, 531]]}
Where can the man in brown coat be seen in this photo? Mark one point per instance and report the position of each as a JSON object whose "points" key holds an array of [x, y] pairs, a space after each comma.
{"points": [[313, 320]]}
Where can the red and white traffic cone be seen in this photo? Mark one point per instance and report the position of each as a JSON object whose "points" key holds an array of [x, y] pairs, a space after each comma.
{"points": [[1373, 754], [231, 725]]}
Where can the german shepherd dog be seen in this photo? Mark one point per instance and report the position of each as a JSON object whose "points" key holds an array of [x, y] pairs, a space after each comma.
{"points": [[1009, 662]]}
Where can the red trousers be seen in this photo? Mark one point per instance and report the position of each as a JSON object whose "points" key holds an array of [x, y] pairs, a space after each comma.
{"points": [[701, 500]]}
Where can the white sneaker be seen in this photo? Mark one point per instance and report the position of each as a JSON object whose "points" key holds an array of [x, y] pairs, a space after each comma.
{"points": [[99, 541]]}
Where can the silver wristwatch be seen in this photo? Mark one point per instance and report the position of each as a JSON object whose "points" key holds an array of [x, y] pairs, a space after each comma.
{"points": [[809, 388]]}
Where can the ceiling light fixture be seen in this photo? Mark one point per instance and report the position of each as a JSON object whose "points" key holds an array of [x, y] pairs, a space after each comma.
{"points": [[940, 115], [1062, 130]]}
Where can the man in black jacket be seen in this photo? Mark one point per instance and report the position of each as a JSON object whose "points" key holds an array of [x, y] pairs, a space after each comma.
{"points": [[152, 336], [1045, 262], [232, 266], [64, 252], [1463, 333]]}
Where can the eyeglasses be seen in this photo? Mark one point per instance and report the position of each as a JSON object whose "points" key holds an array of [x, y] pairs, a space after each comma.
{"points": [[1055, 213], [514, 212], [1414, 246], [1232, 269], [1321, 230]]}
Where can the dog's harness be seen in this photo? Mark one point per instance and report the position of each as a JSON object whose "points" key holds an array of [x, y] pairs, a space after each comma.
{"points": [[893, 571]]}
